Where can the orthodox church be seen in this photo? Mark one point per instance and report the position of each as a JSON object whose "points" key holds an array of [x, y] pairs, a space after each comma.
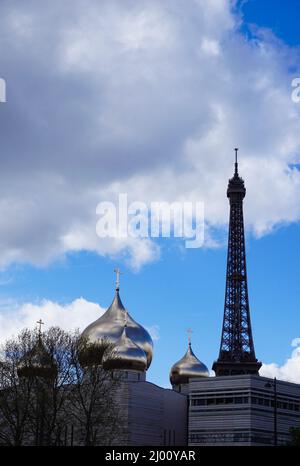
{"points": [[153, 415]]}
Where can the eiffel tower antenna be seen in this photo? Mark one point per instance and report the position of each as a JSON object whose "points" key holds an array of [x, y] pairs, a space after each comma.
{"points": [[236, 161]]}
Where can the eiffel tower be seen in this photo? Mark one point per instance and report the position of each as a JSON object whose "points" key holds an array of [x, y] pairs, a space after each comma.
{"points": [[237, 355]]}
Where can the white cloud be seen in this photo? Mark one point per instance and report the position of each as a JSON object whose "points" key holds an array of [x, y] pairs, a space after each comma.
{"points": [[147, 98], [290, 370], [295, 342], [211, 47], [75, 315], [71, 316]]}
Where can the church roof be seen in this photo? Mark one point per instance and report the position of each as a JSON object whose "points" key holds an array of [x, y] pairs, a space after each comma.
{"points": [[187, 367], [110, 326]]}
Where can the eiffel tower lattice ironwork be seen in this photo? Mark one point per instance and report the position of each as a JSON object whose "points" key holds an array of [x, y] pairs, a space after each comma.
{"points": [[237, 355]]}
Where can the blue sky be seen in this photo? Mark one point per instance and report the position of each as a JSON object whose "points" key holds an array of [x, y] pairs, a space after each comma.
{"points": [[273, 14], [50, 190]]}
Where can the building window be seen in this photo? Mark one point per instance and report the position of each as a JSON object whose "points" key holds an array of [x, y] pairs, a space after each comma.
{"points": [[228, 401], [221, 401]]}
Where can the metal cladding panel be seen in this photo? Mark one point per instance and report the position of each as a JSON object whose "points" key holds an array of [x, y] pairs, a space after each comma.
{"points": [[153, 415]]}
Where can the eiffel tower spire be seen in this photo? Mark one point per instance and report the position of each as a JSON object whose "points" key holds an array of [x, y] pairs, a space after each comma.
{"points": [[237, 355]]}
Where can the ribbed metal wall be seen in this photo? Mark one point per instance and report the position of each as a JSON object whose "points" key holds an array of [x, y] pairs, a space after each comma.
{"points": [[218, 422]]}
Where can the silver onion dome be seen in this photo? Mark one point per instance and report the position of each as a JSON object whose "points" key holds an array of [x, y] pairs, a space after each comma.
{"points": [[37, 362], [126, 355], [109, 328], [187, 367]]}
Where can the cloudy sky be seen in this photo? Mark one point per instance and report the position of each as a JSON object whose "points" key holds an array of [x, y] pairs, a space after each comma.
{"points": [[149, 98]]}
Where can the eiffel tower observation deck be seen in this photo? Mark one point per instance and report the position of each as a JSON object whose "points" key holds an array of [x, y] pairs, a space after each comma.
{"points": [[237, 354]]}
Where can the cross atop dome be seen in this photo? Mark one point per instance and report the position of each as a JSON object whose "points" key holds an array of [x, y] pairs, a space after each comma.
{"points": [[40, 323], [118, 273], [189, 332]]}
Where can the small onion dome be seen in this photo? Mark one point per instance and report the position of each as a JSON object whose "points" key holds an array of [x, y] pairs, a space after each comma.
{"points": [[126, 355], [110, 326], [37, 363], [189, 366]]}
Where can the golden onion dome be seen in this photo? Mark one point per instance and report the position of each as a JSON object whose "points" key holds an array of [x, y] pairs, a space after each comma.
{"points": [[126, 355], [187, 367], [109, 328], [37, 362]]}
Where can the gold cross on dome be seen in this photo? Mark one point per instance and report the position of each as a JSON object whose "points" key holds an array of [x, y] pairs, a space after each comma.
{"points": [[118, 273], [189, 332], [40, 322]]}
